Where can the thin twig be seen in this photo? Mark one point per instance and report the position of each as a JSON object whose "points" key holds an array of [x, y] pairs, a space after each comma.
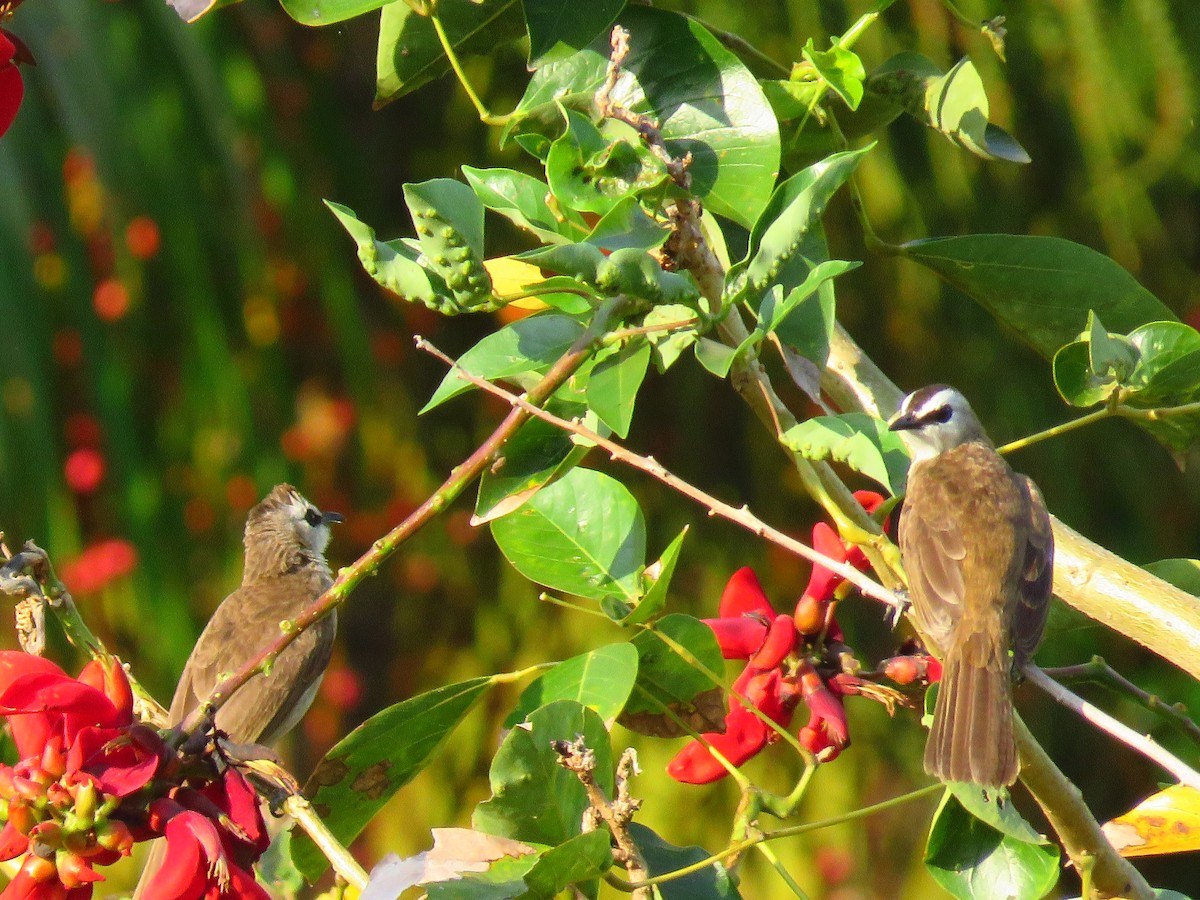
{"points": [[1100, 672], [1143, 744], [738, 515]]}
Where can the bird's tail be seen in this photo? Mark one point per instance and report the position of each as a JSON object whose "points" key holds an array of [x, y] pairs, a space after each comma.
{"points": [[972, 735]]}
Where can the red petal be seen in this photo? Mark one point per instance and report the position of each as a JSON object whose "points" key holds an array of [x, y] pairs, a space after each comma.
{"points": [[745, 735], [744, 594], [780, 640], [192, 842], [12, 842], [12, 91], [109, 678], [14, 663], [822, 582], [738, 638], [869, 500], [244, 810], [243, 886], [765, 690]]}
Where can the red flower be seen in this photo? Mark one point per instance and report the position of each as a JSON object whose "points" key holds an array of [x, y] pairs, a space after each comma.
{"points": [[99, 564], [812, 609], [202, 859], [12, 88]]}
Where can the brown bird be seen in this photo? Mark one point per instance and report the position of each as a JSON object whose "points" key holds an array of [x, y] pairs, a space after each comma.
{"points": [[285, 571], [976, 543]]}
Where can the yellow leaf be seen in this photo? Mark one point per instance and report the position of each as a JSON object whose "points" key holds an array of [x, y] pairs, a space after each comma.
{"points": [[511, 276], [1166, 822]]}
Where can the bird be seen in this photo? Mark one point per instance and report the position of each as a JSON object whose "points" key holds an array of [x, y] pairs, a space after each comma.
{"points": [[284, 572], [978, 550]]}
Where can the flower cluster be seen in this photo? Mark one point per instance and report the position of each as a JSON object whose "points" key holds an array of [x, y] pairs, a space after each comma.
{"points": [[91, 782], [790, 659]]}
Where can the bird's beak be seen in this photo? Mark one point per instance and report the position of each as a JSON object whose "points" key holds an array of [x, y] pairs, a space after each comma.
{"points": [[902, 422], [332, 518]]}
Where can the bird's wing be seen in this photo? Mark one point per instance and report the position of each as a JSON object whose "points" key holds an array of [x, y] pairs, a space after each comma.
{"points": [[1037, 577], [246, 622], [932, 547]]}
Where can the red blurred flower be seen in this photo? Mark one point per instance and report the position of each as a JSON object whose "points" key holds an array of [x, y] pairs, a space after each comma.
{"points": [[12, 87], [99, 564], [84, 470]]}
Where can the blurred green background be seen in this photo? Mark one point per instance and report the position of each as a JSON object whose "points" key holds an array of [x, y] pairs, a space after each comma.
{"points": [[184, 325]]}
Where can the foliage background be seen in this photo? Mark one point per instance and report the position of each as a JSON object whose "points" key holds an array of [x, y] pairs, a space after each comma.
{"points": [[251, 349]]}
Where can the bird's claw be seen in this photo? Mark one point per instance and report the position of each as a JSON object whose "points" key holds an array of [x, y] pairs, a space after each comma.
{"points": [[895, 611]]}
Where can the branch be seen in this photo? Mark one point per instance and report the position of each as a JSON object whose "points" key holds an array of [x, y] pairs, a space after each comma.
{"points": [[1097, 671], [738, 515], [29, 578], [1085, 843], [576, 757], [1143, 744], [349, 577], [273, 782]]}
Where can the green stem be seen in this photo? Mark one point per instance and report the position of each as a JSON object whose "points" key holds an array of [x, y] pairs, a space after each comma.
{"points": [[769, 854], [1061, 428], [792, 831], [485, 115]]}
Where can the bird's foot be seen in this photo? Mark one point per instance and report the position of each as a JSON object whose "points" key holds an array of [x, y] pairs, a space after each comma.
{"points": [[896, 610]]}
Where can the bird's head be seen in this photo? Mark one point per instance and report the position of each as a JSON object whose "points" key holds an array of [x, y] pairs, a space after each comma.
{"points": [[935, 419], [285, 525]]}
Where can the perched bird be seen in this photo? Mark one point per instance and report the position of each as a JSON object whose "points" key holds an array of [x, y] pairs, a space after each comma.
{"points": [[976, 543], [285, 571]]}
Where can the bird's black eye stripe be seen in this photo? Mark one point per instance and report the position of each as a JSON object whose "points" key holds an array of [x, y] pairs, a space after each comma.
{"points": [[312, 517], [941, 415]]}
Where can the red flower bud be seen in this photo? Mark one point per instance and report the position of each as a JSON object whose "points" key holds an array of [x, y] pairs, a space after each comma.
{"points": [[810, 615], [75, 871], [108, 676], [779, 643]]}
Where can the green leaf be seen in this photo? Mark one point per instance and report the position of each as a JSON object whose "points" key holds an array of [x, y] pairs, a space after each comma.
{"points": [[580, 261], [791, 99], [1041, 287], [503, 880], [668, 343], [600, 680], [277, 872], [657, 577], [954, 104], [715, 357], [787, 241], [1183, 573], [392, 264], [558, 30], [583, 534], [636, 273], [522, 351], [806, 317], [974, 861], [328, 12], [995, 809], [583, 858], [627, 225], [862, 442], [410, 54], [448, 219], [533, 457], [533, 797], [365, 768], [521, 199], [1168, 369], [1109, 355], [714, 882], [702, 97], [614, 383], [841, 69], [593, 169], [667, 676], [1074, 379]]}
